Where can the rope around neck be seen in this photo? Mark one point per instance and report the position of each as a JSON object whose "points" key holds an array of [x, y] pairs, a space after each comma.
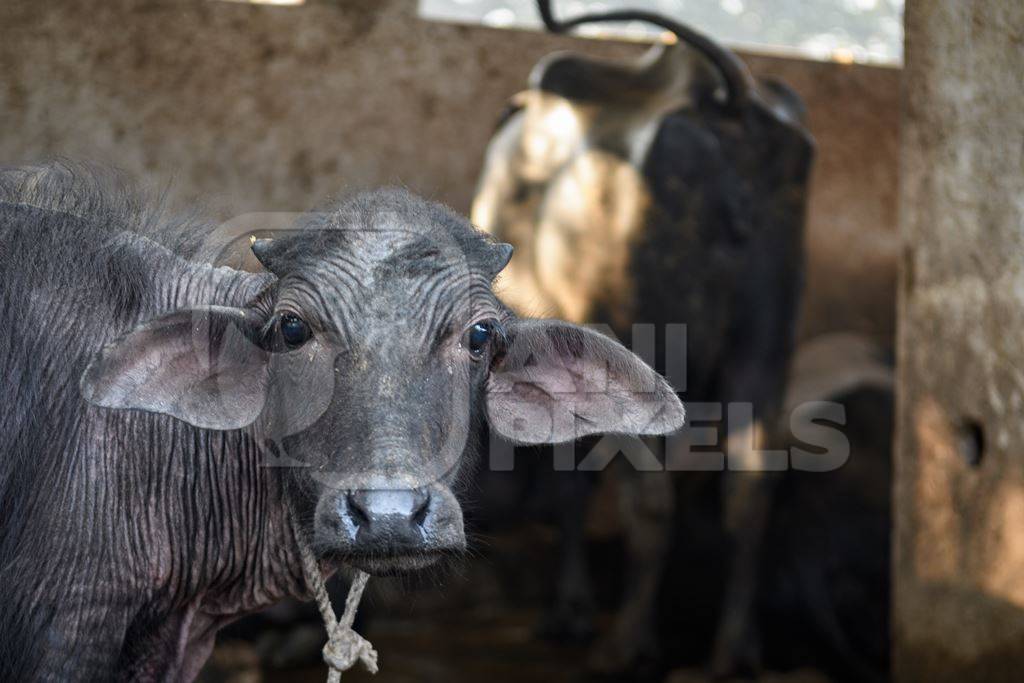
{"points": [[344, 646]]}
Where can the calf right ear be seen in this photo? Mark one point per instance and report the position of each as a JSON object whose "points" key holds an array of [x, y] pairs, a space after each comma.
{"points": [[558, 382], [200, 365]]}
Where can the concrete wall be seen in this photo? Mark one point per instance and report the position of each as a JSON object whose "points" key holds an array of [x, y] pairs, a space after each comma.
{"points": [[276, 108], [959, 542]]}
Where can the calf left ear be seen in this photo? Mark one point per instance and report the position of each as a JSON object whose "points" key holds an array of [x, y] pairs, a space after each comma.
{"points": [[558, 382], [198, 365]]}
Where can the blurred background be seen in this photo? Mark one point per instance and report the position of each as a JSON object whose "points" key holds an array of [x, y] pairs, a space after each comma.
{"points": [[909, 566]]}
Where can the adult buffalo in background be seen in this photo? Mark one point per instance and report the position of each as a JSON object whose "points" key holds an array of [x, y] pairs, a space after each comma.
{"points": [[147, 394], [671, 190]]}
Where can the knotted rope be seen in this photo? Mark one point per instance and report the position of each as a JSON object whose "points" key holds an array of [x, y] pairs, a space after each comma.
{"points": [[344, 646]]}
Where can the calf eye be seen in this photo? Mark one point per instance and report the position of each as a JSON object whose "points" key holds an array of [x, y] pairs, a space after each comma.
{"points": [[477, 338], [294, 331]]}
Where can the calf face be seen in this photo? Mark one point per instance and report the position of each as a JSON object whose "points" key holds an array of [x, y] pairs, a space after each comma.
{"points": [[368, 367]]}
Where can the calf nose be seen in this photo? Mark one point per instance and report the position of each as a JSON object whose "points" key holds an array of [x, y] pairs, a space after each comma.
{"points": [[387, 520]]}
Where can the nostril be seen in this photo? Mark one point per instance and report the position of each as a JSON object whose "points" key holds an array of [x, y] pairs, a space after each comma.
{"points": [[356, 511], [419, 514]]}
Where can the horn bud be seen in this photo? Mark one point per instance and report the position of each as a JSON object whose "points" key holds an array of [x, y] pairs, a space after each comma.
{"points": [[499, 256], [262, 250]]}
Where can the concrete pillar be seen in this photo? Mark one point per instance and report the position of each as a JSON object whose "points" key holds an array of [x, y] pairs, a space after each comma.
{"points": [[959, 498]]}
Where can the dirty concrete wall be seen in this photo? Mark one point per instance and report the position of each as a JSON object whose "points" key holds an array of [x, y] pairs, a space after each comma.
{"points": [[260, 108], [959, 543]]}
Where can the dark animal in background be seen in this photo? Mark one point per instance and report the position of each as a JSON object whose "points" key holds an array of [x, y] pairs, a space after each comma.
{"points": [[824, 590], [146, 392], [669, 190]]}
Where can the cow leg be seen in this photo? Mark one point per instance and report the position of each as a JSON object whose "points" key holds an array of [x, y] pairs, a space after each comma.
{"points": [[173, 649], [752, 383], [747, 502], [571, 618], [748, 499], [647, 502]]}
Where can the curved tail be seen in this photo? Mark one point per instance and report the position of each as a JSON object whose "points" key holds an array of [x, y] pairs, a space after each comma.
{"points": [[739, 83]]}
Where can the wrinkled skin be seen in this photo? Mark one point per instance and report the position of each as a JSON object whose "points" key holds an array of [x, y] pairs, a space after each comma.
{"points": [[174, 425]]}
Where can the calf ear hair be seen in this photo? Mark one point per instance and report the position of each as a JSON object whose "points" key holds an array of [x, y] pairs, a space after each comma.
{"points": [[558, 382], [199, 365]]}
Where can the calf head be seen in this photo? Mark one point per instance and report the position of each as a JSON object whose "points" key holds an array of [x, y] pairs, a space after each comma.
{"points": [[368, 368]]}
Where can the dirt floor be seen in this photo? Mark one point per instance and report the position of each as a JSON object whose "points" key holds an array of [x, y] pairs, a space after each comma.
{"points": [[497, 648], [474, 622]]}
